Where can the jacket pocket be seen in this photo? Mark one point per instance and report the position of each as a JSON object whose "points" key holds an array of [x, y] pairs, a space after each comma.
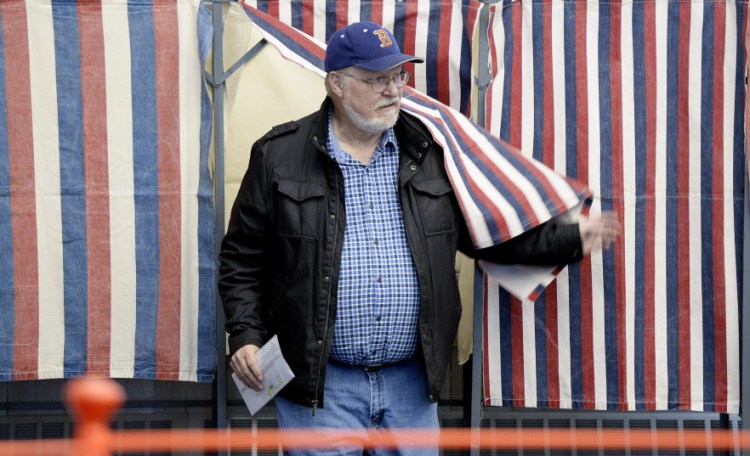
{"points": [[435, 199], [299, 205]]}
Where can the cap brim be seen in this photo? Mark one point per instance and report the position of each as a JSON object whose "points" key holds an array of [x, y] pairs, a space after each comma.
{"points": [[387, 62]]}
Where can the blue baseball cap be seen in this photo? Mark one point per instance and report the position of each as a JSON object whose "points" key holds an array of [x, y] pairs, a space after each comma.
{"points": [[366, 45]]}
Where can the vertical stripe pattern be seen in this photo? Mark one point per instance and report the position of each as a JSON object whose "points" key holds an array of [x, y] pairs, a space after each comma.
{"points": [[21, 303], [643, 98], [106, 220]]}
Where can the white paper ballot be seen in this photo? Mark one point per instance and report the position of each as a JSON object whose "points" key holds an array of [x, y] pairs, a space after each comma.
{"points": [[276, 374]]}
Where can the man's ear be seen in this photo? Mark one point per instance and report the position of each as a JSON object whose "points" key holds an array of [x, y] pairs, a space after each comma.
{"points": [[336, 81]]}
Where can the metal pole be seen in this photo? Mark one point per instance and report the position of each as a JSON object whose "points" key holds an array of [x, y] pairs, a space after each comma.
{"points": [[745, 317], [220, 383], [476, 357], [482, 81], [483, 77]]}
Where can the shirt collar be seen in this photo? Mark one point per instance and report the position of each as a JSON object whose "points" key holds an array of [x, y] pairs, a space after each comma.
{"points": [[341, 156]]}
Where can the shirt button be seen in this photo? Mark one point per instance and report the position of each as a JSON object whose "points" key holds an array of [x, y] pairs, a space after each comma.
{"points": [[372, 205], [333, 217], [413, 167], [375, 241], [378, 318], [326, 279], [380, 279], [320, 342], [419, 155]]}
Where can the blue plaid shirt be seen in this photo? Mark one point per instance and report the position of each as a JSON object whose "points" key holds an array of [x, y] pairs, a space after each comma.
{"points": [[378, 290]]}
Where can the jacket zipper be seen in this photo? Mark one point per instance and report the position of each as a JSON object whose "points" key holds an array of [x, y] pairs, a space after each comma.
{"points": [[315, 401]]}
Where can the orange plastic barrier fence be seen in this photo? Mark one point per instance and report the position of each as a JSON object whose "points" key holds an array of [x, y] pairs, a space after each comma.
{"points": [[94, 401]]}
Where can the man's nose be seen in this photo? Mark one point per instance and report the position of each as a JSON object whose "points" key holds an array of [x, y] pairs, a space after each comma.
{"points": [[391, 89]]}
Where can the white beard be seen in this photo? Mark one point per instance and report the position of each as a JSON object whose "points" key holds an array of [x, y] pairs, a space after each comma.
{"points": [[372, 126]]}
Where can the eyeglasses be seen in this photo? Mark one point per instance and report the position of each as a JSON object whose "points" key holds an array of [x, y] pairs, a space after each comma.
{"points": [[379, 85]]}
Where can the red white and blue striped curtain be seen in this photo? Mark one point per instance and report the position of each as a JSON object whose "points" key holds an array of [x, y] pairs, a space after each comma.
{"points": [[643, 101], [106, 217], [442, 32]]}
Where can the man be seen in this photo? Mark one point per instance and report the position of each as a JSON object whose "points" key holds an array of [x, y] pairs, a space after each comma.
{"points": [[342, 242]]}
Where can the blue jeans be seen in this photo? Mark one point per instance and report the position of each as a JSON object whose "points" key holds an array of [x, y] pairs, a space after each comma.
{"points": [[394, 396]]}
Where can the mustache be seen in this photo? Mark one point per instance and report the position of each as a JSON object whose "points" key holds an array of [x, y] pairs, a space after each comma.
{"points": [[387, 102]]}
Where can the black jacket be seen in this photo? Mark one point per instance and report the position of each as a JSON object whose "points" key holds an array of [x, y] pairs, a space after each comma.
{"points": [[280, 258]]}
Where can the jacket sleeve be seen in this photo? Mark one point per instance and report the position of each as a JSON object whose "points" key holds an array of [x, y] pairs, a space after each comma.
{"points": [[244, 265], [551, 243]]}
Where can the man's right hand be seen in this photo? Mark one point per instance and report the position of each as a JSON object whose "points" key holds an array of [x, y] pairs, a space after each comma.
{"points": [[245, 366]]}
